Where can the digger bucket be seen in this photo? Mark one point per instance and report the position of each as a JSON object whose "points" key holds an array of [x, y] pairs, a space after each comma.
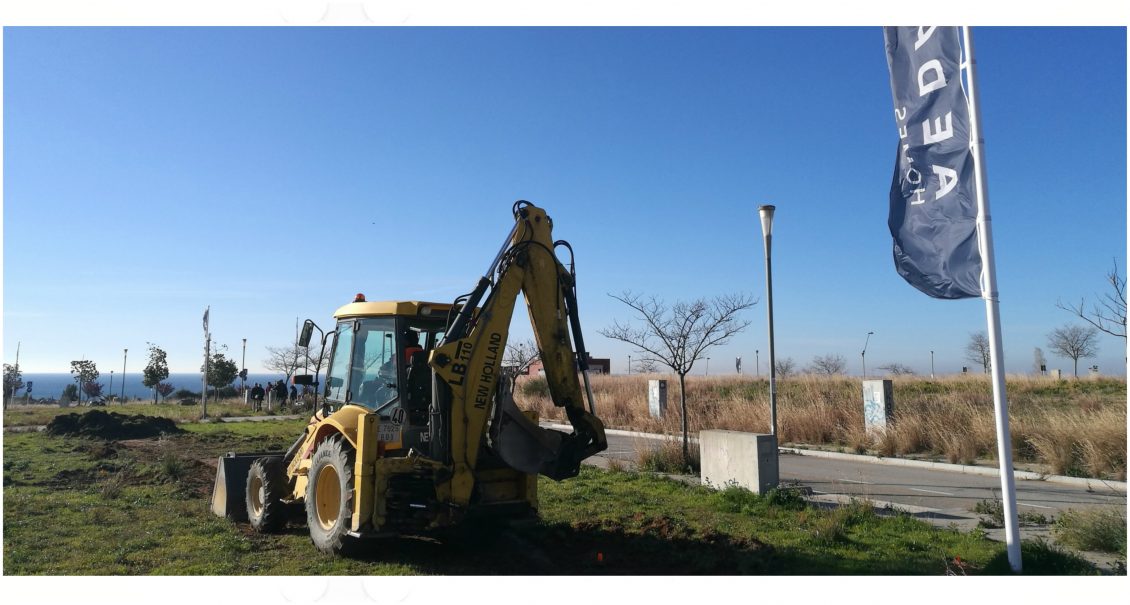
{"points": [[526, 447], [229, 494]]}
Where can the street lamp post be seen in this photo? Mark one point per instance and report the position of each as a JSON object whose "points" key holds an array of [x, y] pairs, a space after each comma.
{"points": [[124, 352], [766, 213], [243, 368], [931, 364], [757, 362], [629, 365], [111, 388], [708, 366], [863, 355]]}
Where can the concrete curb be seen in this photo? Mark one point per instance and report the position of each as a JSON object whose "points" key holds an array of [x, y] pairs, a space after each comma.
{"points": [[636, 434], [1117, 486]]}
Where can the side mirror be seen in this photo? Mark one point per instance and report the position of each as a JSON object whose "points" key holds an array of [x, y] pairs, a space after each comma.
{"points": [[306, 380], [334, 382], [307, 332]]}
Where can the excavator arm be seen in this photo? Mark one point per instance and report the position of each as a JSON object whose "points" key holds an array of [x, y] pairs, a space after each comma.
{"points": [[468, 364]]}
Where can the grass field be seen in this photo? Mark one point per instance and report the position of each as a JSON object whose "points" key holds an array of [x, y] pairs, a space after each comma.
{"points": [[1070, 427], [88, 506]]}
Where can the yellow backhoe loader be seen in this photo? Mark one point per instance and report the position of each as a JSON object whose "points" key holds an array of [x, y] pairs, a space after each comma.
{"points": [[416, 428]]}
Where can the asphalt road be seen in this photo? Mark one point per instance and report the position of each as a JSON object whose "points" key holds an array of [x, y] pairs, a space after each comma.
{"points": [[941, 496]]}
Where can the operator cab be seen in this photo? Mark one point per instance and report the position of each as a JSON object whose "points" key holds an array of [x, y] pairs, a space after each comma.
{"points": [[378, 359]]}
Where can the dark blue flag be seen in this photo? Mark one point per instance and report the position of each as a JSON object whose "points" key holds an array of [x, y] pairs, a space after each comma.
{"points": [[933, 216]]}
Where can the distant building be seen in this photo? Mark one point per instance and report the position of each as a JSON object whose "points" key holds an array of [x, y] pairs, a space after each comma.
{"points": [[597, 365]]}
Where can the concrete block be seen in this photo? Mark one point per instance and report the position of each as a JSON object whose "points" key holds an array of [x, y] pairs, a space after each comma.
{"points": [[747, 460], [657, 398], [878, 405]]}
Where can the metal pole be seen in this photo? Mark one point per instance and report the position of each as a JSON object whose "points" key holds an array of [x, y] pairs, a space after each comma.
{"points": [[992, 309], [767, 230], [111, 388], [124, 353], [243, 369], [863, 355], [931, 364], [629, 365], [13, 394], [757, 362], [207, 352], [204, 395], [708, 366]]}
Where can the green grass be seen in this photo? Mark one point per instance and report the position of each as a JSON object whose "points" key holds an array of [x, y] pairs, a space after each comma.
{"points": [[85, 507]]}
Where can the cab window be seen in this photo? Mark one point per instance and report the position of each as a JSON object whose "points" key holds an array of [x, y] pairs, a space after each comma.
{"points": [[336, 389], [373, 378]]}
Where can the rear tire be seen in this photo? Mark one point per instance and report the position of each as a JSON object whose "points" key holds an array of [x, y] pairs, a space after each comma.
{"points": [[267, 485], [329, 495]]}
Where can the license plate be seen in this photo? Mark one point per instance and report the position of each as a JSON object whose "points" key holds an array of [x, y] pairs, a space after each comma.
{"points": [[388, 433]]}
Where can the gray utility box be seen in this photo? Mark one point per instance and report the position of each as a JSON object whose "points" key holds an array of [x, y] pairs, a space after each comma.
{"points": [[878, 405], [657, 398], [747, 460]]}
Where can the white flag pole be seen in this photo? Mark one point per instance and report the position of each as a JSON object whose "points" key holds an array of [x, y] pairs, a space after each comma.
{"points": [[992, 309]]}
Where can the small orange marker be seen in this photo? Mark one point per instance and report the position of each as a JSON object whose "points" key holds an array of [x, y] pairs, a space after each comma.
{"points": [[600, 557]]}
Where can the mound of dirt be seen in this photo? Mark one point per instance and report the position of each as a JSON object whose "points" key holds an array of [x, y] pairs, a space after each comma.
{"points": [[111, 425]]}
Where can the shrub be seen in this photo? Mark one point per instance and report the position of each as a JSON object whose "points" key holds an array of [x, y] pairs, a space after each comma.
{"points": [[735, 499], [833, 527], [112, 487], [1097, 529], [668, 458], [171, 467], [1042, 558], [535, 386]]}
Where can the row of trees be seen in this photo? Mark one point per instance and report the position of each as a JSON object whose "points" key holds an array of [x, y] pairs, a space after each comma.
{"points": [[85, 372], [1069, 342]]}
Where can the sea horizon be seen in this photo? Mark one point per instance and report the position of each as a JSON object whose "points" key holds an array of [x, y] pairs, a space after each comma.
{"points": [[50, 385]]}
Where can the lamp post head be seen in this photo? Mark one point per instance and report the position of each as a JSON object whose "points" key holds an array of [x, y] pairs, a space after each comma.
{"points": [[766, 213]]}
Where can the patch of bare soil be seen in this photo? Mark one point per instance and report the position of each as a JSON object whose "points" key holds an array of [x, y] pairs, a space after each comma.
{"points": [[111, 425]]}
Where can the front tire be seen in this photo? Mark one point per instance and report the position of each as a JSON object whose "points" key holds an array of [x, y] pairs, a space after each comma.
{"points": [[267, 485], [329, 495]]}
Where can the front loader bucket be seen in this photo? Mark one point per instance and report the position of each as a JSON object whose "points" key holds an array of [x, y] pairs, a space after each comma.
{"points": [[229, 492]]}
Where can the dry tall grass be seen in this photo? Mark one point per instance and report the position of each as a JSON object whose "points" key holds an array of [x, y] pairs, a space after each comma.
{"points": [[1076, 427]]}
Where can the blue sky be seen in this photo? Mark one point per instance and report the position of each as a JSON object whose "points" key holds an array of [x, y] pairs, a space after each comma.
{"points": [[273, 173]]}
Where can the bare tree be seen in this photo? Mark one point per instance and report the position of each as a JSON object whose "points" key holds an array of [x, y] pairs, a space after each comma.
{"points": [[1039, 362], [1074, 342], [829, 365], [977, 350], [785, 367], [897, 369], [289, 359], [679, 335], [1109, 314], [645, 365], [519, 356]]}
